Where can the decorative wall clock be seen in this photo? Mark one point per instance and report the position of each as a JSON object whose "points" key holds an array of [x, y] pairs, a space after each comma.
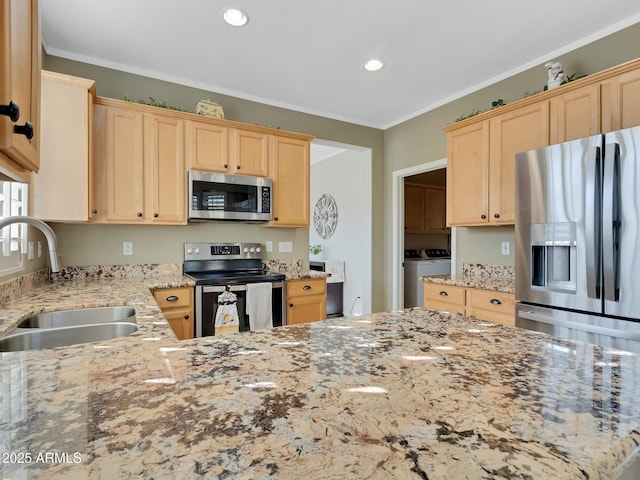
{"points": [[325, 216]]}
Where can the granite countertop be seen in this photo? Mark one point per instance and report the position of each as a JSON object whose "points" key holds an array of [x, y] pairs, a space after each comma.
{"points": [[407, 394], [495, 283]]}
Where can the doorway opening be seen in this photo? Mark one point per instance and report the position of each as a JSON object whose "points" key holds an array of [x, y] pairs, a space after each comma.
{"points": [[424, 172]]}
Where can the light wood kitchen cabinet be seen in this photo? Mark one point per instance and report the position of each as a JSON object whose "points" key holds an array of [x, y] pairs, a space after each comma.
{"points": [[512, 132], [481, 166], [496, 307], [424, 208], [20, 83], [489, 305], [575, 114], [216, 148], [67, 113], [177, 306], [447, 298], [140, 175], [290, 171], [621, 99], [306, 300], [207, 146]]}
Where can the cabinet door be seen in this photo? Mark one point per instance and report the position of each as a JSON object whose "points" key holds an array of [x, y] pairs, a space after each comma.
{"points": [[20, 67], [447, 298], [414, 208], [621, 102], [312, 308], [290, 172], [575, 114], [123, 181], [207, 147], [468, 175], [165, 175], [435, 210], [497, 307], [249, 153], [516, 131], [66, 134]]}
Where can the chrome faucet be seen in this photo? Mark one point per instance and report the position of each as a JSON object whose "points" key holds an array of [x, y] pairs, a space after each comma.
{"points": [[44, 228]]}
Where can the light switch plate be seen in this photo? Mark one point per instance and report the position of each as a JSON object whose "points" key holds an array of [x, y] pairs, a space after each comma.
{"points": [[127, 248], [269, 246], [506, 248]]}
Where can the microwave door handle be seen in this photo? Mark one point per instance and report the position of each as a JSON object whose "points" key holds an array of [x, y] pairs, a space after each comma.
{"points": [[593, 220], [610, 219]]}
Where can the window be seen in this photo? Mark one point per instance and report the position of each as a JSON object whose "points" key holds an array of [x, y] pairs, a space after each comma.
{"points": [[13, 239]]}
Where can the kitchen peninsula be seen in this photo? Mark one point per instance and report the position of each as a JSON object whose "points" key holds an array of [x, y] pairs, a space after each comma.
{"points": [[407, 394]]}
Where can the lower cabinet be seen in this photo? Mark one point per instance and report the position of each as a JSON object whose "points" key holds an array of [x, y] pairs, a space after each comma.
{"points": [[306, 300], [177, 306], [489, 305]]}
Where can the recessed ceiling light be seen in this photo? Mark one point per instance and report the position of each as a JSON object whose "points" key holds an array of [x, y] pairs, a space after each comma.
{"points": [[373, 65], [235, 17]]}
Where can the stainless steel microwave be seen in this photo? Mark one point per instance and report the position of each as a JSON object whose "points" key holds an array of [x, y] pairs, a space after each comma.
{"points": [[218, 196]]}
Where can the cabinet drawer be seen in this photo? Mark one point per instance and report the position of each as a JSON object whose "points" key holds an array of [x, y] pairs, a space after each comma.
{"points": [[437, 293], [309, 286], [495, 307], [173, 297]]}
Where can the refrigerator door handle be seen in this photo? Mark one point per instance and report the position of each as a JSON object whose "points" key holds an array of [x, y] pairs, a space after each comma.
{"points": [[593, 220], [610, 220]]}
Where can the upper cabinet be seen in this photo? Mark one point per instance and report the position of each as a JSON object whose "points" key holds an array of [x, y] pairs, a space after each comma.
{"points": [[19, 88], [290, 170], [481, 150], [424, 208], [65, 145], [138, 164]]}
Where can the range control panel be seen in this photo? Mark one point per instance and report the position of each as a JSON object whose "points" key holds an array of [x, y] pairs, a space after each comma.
{"points": [[218, 251]]}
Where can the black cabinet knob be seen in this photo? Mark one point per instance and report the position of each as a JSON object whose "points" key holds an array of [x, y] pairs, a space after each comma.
{"points": [[94, 211], [275, 219], [483, 216], [186, 317], [12, 111], [226, 166], [237, 167], [496, 215], [26, 130], [155, 215], [139, 214], [172, 298], [291, 305]]}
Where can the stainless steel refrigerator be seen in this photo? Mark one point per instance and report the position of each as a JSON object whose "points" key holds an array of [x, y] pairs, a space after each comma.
{"points": [[578, 239]]}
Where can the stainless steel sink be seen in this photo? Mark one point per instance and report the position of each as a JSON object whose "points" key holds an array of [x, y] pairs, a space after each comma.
{"points": [[79, 317], [33, 339]]}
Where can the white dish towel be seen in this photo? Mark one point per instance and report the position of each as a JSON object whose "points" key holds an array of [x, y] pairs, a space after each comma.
{"points": [[336, 269], [259, 306]]}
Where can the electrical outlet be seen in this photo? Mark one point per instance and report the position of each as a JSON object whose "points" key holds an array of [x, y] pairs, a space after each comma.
{"points": [[269, 246], [127, 248], [506, 248], [30, 251], [285, 247], [39, 248]]}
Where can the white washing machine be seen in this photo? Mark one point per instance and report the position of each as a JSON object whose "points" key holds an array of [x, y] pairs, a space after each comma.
{"points": [[422, 263]]}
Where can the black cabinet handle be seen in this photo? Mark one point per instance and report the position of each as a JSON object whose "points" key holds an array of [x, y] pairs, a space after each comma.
{"points": [[275, 219], [444, 294], [12, 111], [26, 130], [496, 215], [483, 216], [495, 301], [172, 298], [307, 287], [139, 214], [94, 211]]}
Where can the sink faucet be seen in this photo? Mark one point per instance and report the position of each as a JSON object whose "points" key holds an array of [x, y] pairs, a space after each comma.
{"points": [[44, 228]]}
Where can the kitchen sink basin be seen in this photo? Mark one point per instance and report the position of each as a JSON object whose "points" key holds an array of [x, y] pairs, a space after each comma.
{"points": [[80, 317], [39, 338]]}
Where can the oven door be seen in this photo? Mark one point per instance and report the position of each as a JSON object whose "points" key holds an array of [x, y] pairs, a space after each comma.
{"points": [[207, 304]]}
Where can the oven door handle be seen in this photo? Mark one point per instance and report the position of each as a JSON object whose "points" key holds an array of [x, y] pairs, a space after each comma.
{"points": [[234, 288]]}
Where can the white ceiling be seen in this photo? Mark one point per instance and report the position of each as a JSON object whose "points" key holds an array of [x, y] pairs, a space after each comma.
{"points": [[308, 55]]}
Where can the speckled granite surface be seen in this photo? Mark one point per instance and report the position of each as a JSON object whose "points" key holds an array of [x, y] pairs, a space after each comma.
{"points": [[410, 394], [486, 277]]}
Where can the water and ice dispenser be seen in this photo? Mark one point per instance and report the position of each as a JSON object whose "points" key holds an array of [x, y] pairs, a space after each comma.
{"points": [[553, 256]]}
